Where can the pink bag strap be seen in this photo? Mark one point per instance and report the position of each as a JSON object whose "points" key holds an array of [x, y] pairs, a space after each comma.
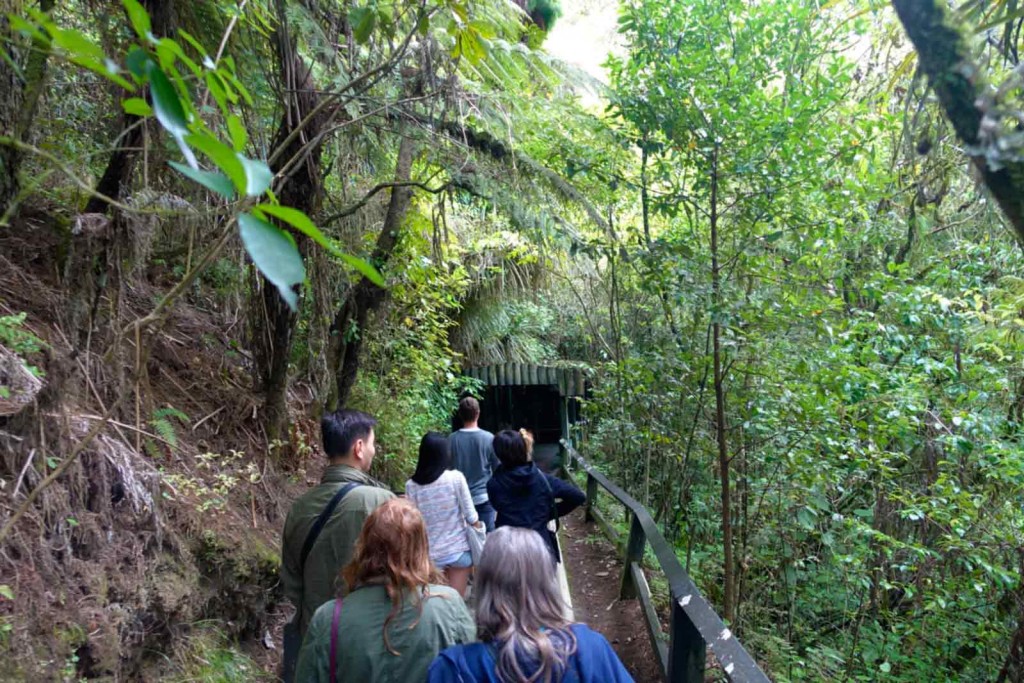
{"points": [[332, 671]]}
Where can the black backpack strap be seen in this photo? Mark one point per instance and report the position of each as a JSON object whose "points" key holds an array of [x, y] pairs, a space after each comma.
{"points": [[320, 522]]}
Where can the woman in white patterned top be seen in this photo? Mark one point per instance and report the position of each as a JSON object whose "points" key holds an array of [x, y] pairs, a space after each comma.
{"points": [[442, 496]]}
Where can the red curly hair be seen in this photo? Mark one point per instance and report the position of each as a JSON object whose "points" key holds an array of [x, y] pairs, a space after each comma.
{"points": [[392, 549]]}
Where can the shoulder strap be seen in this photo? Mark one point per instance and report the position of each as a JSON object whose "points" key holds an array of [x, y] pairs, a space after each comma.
{"points": [[332, 672], [553, 511], [320, 522]]}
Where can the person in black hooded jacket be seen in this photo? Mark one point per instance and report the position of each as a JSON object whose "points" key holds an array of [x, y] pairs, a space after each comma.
{"points": [[523, 496]]}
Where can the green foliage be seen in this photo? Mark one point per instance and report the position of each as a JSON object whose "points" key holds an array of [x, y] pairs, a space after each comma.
{"points": [[212, 657], [20, 341], [544, 12], [872, 369], [414, 383], [216, 476], [15, 337], [162, 425], [159, 63]]}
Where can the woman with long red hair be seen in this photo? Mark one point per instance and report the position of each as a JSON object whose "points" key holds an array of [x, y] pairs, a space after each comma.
{"points": [[397, 615]]}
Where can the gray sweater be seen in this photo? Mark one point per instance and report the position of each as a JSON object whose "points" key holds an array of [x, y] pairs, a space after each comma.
{"points": [[473, 455]]}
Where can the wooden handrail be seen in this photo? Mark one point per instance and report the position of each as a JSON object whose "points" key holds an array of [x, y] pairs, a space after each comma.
{"points": [[694, 626]]}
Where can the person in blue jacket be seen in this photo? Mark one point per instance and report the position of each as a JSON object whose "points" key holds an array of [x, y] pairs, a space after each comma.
{"points": [[521, 624], [524, 496]]}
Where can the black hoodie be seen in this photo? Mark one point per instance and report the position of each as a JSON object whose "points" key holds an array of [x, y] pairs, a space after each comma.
{"points": [[521, 498]]}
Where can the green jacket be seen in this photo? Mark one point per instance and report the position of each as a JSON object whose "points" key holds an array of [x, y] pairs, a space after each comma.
{"points": [[362, 656], [337, 541]]}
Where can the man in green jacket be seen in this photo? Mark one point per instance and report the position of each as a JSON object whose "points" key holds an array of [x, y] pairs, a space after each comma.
{"points": [[348, 440]]}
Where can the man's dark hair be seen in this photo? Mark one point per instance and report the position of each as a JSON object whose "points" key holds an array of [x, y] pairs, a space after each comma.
{"points": [[510, 447], [469, 409], [342, 428]]}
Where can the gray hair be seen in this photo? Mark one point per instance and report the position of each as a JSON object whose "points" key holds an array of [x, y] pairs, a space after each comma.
{"points": [[519, 604]]}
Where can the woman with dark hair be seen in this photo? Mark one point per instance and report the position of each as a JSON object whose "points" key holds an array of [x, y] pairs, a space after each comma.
{"points": [[524, 496], [397, 616], [442, 495], [524, 635]]}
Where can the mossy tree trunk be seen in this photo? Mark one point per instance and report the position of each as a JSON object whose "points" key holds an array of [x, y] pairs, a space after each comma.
{"points": [[300, 188], [20, 99], [118, 172], [10, 104], [349, 327], [964, 94]]}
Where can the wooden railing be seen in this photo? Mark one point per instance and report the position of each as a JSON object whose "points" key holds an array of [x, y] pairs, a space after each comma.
{"points": [[694, 627]]}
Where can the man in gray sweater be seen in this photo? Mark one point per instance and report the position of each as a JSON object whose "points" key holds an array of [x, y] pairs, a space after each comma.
{"points": [[473, 455]]}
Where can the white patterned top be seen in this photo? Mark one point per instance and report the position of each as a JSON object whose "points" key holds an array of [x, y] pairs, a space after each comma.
{"points": [[446, 507]]}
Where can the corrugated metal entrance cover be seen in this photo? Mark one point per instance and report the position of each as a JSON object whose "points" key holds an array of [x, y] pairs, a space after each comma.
{"points": [[570, 381]]}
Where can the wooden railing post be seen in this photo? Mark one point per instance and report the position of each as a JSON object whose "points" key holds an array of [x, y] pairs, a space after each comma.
{"points": [[588, 514], [694, 628], [687, 649], [634, 553]]}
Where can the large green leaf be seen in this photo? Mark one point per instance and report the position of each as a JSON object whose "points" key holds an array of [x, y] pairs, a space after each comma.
{"points": [[222, 156], [139, 18], [166, 104], [138, 61], [218, 182], [236, 129], [303, 224], [275, 255], [257, 176], [470, 44], [136, 106], [362, 20]]}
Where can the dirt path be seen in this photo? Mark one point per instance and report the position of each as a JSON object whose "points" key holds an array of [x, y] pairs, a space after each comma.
{"points": [[594, 573]]}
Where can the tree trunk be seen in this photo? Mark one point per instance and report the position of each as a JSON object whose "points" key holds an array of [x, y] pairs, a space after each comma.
{"points": [[719, 381], [19, 105], [10, 106], [117, 175], [964, 94], [300, 189], [349, 326]]}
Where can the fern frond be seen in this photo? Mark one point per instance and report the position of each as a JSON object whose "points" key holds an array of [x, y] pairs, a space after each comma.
{"points": [[171, 411], [163, 427]]}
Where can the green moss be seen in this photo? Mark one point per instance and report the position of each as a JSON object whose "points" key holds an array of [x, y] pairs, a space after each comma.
{"points": [[209, 656]]}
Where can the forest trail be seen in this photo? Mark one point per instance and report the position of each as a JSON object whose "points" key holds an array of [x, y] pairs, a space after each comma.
{"points": [[594, 570]]}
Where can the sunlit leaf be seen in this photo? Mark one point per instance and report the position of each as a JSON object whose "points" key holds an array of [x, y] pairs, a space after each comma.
{"points": [[77, 46], [136, 106], [139, 17], [236, 129]]}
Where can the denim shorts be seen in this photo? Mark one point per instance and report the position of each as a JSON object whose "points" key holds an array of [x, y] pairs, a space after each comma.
{"points": [[459, 561]]}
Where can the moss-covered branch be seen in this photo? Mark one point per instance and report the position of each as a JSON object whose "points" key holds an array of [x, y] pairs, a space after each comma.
{"points": [[486, 143], [962, 90]]}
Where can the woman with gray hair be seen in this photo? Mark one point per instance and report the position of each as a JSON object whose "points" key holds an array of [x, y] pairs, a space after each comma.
{"points": [[520, 617]]}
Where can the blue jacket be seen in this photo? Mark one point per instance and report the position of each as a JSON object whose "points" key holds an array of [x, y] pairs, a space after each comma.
{"points": [[520, 498], [593, 662]]}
